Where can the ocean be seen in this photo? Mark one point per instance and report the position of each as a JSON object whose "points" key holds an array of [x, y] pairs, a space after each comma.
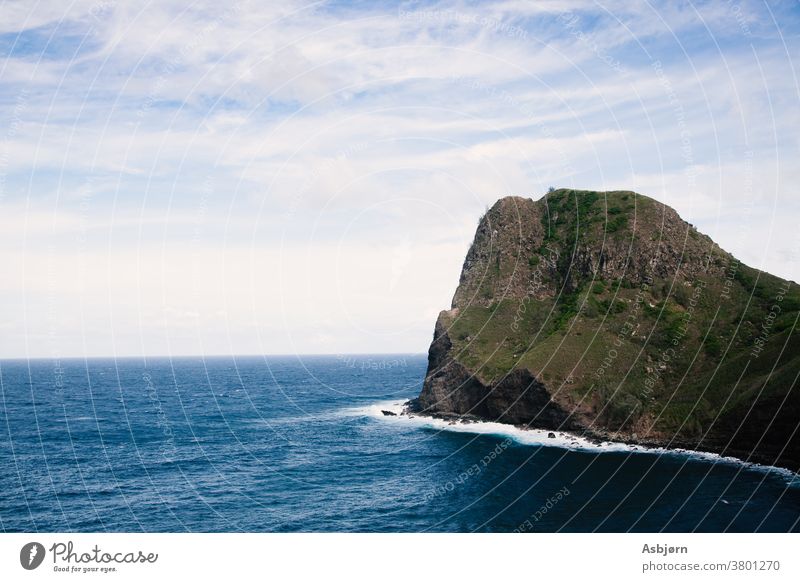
{"points": [[300, 444]]}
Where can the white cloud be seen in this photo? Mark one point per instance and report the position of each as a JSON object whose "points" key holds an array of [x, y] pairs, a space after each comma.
{"points": [[249, 178]]}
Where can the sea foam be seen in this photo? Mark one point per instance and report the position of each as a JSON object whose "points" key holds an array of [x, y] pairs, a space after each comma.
{"points": [[539, 437]]}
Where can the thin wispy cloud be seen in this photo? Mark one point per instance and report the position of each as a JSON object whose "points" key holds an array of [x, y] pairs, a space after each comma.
{"points": [[307, 176]]}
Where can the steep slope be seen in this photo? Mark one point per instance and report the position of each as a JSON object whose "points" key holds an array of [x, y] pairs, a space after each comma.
{"points": [[606, 313]]}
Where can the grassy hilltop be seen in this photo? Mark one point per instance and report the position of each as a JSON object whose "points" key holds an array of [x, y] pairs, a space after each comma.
{"points": [[605, 312]]}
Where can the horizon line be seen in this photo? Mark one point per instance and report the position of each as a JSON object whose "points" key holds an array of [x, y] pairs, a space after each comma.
{"points": [[206, 356]]}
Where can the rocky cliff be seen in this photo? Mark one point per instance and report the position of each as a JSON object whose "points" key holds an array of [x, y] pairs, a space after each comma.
{"points": [[605, 313]]}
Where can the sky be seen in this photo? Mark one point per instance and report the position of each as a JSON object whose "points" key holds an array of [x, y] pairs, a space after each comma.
{"points": [[183, 178]]}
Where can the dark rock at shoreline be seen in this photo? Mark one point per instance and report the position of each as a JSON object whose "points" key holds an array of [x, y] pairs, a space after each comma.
{"points": [[605, 315]]}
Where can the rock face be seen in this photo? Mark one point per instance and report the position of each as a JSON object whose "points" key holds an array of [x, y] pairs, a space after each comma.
{"points": [[516, 398], [605, 313]]}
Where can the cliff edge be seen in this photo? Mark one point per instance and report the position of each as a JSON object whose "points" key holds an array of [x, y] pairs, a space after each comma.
{"points": [[606, 314]]}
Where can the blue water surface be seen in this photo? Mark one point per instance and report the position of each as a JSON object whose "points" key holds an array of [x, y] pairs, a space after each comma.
{"points": [[288, 444]]}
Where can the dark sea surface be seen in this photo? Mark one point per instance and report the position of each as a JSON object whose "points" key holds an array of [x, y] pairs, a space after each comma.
{"points": [[291, 444]]}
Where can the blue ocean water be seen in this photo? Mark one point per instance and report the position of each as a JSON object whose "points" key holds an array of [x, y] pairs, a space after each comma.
{"points": [[291, 444]]}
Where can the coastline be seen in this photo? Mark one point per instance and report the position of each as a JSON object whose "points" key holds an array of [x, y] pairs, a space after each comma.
{"points": [[588, 442]]}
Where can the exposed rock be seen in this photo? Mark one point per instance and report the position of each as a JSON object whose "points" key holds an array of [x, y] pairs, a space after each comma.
{"points": [[607, 315]]}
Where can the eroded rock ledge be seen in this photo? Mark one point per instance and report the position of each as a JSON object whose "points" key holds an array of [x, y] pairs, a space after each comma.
{"points": [[566, 307]]}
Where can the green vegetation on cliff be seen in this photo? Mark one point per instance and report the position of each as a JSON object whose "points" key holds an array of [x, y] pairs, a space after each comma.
{"points": [[636, 323]]}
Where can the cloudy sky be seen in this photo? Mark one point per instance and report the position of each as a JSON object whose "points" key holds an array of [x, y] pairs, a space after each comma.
{"points": [[214, 178]]}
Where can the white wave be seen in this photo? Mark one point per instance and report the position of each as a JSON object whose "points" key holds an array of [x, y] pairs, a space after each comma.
{"points": [[539, 437]]}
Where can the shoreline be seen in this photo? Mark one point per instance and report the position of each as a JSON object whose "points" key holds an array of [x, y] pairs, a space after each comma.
{"points": [[403, 411]]}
